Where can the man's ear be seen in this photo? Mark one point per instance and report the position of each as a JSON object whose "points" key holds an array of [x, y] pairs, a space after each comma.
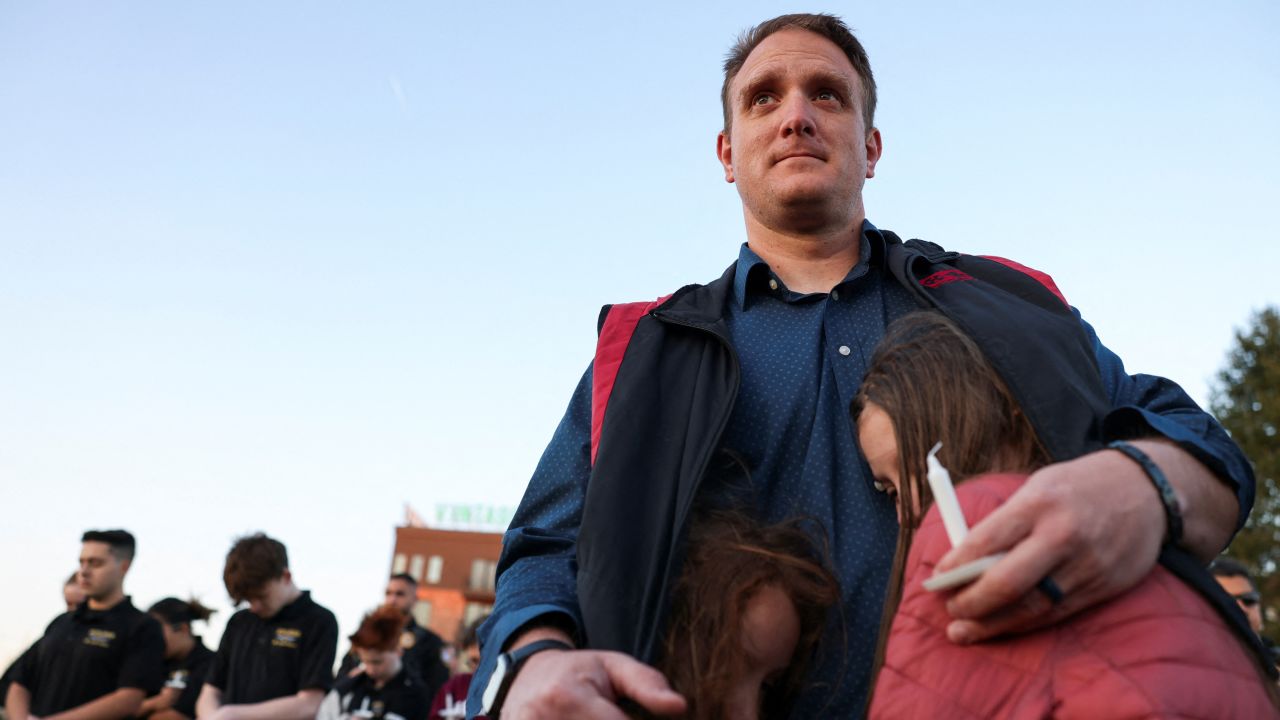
{"points": [[725, 152], [875, 148]]}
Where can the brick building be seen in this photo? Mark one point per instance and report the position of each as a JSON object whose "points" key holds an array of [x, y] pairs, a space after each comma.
{"points": [[455, 572]]}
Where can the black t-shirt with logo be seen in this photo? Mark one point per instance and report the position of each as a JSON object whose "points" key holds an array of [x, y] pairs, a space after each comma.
{"points": [[86, 654], [260, 660], [187, 677], [402, 698]]}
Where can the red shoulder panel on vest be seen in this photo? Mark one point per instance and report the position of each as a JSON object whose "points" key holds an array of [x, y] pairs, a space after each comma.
{"points": [[615, 335], [1040, 277]]}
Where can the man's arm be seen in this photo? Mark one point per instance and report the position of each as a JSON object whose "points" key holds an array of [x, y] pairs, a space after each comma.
{"points": [[1095, 524], [209, 702], [17, 702], [123, 703], [162, 700], [537, 596], [302, 706]]}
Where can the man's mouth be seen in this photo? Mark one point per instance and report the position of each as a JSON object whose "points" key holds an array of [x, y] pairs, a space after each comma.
{"points": [[794, 155]]}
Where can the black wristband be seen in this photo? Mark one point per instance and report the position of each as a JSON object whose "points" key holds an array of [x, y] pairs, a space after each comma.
{"points": [[1169, 499]]}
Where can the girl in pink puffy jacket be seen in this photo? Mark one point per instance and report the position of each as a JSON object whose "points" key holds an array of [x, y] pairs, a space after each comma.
{"points": [[1158, 650]]}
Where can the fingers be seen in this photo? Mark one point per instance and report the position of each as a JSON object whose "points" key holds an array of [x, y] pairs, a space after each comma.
{"points": [[1010, 579], [999, 531], [586, 684], [1031, 610], [643, 684]]}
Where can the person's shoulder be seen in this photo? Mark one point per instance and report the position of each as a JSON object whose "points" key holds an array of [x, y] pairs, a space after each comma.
{"points": [[980, 496], [238, 621], [320, 614], [348, 683], [59, 622], [199, 656], [422, 634]]}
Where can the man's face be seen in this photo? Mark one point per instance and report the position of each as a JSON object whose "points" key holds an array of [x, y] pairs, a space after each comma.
{"points": [[798, 148], [1246, 597], [400, 595], [101, 572], [271, 597]]}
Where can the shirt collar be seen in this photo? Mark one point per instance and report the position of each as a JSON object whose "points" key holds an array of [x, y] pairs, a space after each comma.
{"points": [[753, 275], [87, 614], [292, 609]]}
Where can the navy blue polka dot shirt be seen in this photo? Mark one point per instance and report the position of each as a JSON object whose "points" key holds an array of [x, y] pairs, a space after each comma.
{"points": [[802, 358]]}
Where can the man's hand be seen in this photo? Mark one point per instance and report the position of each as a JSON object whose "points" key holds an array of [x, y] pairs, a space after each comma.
{"points": [[587, 684], [1094, 525]]}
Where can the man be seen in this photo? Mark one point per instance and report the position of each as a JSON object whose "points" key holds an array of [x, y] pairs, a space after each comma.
{"points": [[275, 660], [72, 595], [100, 660], [764, 362], [423, 649], [1235, 579]]}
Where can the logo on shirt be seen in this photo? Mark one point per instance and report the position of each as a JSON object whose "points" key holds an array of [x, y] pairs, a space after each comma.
{"points": [[99, 638], [286, 638], [944, 277], [178, 680], [407, 640]]}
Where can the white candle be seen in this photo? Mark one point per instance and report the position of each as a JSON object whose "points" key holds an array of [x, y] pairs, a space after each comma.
{"points": [[944, 496]]}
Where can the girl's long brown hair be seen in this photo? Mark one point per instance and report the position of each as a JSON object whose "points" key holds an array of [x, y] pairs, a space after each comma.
{"points": [[730, 557], [936, 386]]}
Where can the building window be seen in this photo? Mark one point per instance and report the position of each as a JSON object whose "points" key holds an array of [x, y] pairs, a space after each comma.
{"points": [[474, 611], [422, 612], [434, 568], [399, 564], [479, 572], [415, 567]]}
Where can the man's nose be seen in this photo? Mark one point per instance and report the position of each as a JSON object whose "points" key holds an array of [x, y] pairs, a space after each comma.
{"points": [[797, 116]]}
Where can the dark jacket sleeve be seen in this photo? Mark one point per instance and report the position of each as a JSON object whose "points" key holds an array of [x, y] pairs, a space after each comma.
{"points": [[537, 573], [1147, 406]]}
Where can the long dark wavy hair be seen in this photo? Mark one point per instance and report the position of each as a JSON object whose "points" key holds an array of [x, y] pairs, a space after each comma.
{"points": [[730, 557], [935, 385]]}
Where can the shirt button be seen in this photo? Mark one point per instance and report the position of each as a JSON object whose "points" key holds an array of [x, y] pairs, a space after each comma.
{"points": [[844, 350], [773, 284], [835, 294]]}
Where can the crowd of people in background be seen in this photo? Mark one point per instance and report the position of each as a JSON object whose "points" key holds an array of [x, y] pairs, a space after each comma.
{"points": [[104, 658]]}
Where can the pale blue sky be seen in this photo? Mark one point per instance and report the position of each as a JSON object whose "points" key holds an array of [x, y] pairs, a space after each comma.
{"points": [[289, 265]]}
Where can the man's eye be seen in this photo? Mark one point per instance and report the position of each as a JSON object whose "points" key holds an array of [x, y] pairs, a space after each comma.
{"points": [[826, 95], [762, 99]]}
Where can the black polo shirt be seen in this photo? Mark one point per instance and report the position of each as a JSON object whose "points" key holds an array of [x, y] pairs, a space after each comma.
{"points": [[403, 698], [422, 656], [86, 654], [261, 660], [187, 677]]}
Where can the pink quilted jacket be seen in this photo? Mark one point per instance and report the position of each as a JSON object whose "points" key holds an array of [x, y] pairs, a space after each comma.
{"points": [[1158, 651]]}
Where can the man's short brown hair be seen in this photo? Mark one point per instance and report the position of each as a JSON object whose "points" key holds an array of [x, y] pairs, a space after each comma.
{"points": [[829, 27], [254, 561]]}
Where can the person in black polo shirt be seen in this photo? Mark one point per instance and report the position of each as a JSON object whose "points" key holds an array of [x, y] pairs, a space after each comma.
{"points": [[99, 661], [73, 595], [422, 648], [186, 660], [385, 688], [275, 661]]}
